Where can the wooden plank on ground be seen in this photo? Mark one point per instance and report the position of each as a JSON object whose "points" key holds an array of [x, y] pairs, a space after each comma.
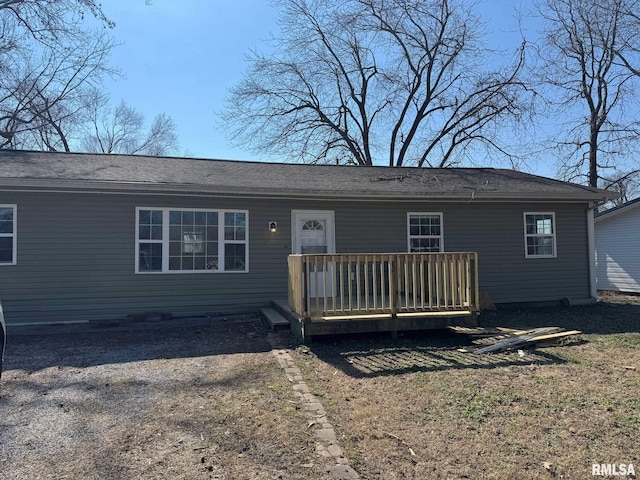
{"points": [[553, 336], [514, 331], [474, 332], [514, 341]]}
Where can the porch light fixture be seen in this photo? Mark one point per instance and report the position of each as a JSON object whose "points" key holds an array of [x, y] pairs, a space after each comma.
{"points": [[273, 227]]}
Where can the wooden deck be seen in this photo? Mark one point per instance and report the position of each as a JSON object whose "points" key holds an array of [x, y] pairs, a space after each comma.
{"points": [[350, 293]]}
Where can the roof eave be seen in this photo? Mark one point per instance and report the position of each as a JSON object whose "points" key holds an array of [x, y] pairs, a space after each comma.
{"points": [[199, 189]]}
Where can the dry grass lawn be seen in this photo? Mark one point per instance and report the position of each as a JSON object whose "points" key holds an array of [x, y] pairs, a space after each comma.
{"points": [[416, 408]]}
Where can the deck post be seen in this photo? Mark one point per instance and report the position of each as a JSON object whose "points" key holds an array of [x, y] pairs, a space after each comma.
{"points": [[476, 299], [296, 284]]}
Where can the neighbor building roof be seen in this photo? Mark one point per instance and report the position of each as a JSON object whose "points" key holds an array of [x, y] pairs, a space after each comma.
{"points": [[625, 207], [83, 171]]}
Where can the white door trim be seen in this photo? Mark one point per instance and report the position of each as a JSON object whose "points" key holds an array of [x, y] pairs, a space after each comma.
{"points": [[298, 216]]}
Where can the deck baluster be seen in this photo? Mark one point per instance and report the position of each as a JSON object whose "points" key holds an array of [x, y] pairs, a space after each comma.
{"points": [[333, 285]]}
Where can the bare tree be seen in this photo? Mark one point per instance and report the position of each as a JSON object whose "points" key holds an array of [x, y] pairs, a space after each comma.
{"points": [[404, 82], [121, 130], [42, 96], [586, 44], [49, 62], [629, 53], [52, 21], [627, 184]]}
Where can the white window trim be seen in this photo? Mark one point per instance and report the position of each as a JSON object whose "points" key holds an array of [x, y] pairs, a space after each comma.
{"points": [[165, 241], [441, 236], [553, 235], [14, 235]]}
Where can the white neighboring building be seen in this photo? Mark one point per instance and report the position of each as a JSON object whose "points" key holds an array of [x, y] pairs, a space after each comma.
{"points": [[617, 236]]}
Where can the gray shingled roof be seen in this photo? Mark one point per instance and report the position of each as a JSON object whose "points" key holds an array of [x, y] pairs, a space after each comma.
{"points": [[164, 174]]}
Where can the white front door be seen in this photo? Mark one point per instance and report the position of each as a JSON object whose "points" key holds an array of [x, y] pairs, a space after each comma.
{"points": [[313, 231]]}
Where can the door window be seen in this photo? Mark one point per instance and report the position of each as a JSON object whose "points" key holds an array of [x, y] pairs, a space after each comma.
{"points": [[314, 237]]}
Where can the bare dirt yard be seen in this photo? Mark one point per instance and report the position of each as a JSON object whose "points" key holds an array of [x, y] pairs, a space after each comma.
{"points": [[203, 401], [207, 399]]}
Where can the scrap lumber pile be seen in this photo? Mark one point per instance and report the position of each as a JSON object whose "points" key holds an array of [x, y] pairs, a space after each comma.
{"points": [[510, 339]]}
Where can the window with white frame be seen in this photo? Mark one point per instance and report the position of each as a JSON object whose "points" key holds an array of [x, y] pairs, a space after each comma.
{"points": [[425, 232], [8, 234], [173, 240], [540, 234]]}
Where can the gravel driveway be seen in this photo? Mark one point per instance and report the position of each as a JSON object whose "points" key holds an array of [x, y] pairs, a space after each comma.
{"points": [[195, 399]]}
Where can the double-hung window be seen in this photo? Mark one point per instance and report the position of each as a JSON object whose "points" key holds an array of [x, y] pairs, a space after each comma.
{"points": [[425, 232], [171, 240], [540, 234], [8, 234]]}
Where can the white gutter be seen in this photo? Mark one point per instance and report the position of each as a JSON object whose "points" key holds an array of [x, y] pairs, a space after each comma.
{"points": [[591, 246]]}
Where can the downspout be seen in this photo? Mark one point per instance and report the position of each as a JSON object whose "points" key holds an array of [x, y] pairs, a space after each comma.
{"points": [[591, 245]]}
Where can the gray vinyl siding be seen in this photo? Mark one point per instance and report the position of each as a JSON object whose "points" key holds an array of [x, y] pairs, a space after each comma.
{"points": [[496, 232], [76, 261], [76, 253], [618, 251]]}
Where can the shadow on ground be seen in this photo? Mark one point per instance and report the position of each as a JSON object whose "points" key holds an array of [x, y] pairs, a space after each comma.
{"points": [[375, 355], [88, 345], [603, 318]]}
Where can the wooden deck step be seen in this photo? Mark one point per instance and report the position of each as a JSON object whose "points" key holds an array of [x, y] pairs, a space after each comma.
{"points": [[274, 319]]}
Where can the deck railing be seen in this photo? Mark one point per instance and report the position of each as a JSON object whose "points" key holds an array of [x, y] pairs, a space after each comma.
{"points": [[327, 285]]}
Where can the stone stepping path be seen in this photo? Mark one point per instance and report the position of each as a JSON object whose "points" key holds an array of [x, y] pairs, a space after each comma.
{"points": [[327, 447]]}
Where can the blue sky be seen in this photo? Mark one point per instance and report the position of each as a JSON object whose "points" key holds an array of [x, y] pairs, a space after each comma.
{"points": [[181, 58]]}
